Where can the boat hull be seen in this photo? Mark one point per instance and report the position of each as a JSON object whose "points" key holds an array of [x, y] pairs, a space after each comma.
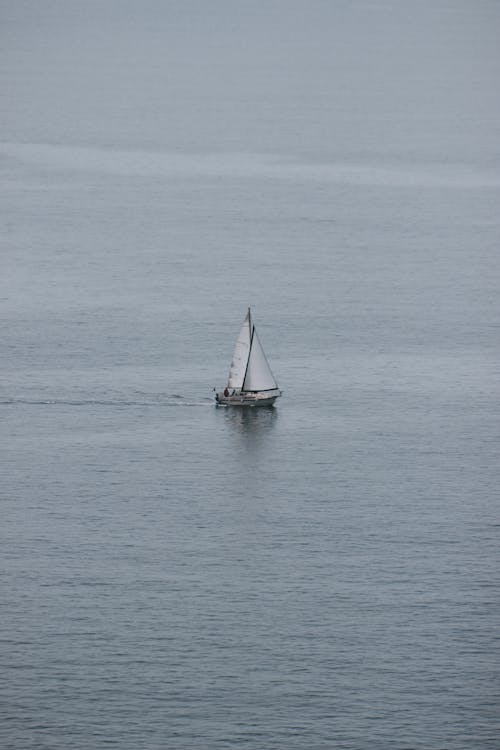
{"points": [[247, 399]]}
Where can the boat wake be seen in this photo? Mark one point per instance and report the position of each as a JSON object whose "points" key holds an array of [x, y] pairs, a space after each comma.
{"points": [[153, 401], [144, 163]]}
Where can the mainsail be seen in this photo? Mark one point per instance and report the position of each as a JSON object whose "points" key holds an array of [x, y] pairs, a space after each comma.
{"points": [[240, 356]]}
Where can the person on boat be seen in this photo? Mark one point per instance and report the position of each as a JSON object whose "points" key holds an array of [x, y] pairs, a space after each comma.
{"points": [[226, 391]]}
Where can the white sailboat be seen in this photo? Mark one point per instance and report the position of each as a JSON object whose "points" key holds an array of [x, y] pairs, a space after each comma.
{"points": [[250, 382]]}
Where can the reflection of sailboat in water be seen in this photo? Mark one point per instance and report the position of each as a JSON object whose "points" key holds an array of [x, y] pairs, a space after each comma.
{"points": [[250, 382], [248, 421]]}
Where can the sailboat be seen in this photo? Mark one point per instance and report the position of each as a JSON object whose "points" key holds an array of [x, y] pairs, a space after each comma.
{"points": [[250, 382]]}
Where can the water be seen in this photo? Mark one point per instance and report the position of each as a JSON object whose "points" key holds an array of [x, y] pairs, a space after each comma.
{"points": [[320, 575]]}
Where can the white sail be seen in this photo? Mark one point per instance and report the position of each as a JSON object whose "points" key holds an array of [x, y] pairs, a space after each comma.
{"points": [[240, 356], [251, 382], [258, 375]]}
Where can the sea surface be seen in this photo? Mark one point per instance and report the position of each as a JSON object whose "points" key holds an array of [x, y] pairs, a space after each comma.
{"points": [[320, 575]]}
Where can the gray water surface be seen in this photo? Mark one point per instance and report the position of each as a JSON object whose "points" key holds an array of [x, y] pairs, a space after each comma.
{"points": [[319, 575]]}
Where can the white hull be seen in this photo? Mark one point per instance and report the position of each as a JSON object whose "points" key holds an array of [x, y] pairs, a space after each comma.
{"points": [[248, 399]]}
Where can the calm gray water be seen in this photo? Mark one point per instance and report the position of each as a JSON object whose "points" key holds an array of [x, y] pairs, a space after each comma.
{"points": [[319, 575]]}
